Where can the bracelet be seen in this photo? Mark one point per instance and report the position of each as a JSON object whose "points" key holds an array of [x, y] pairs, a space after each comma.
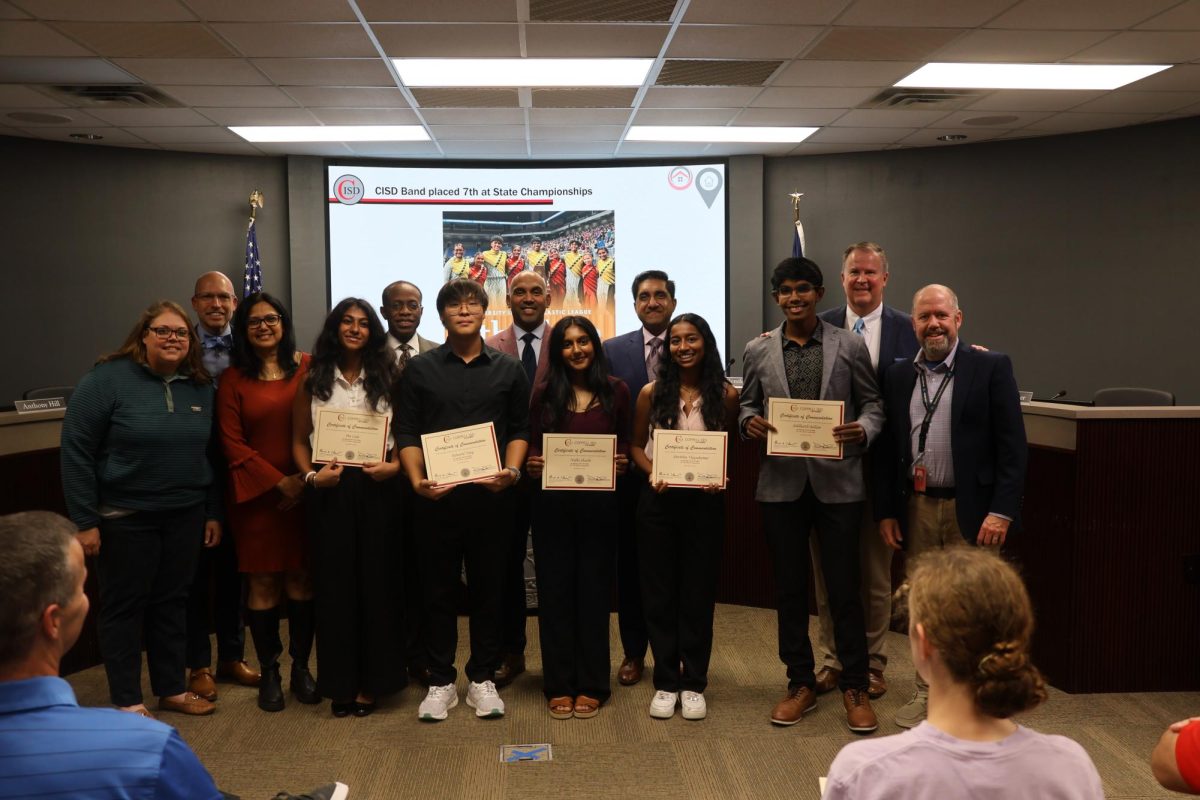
{"points": [[516, 474], [310, 479]]}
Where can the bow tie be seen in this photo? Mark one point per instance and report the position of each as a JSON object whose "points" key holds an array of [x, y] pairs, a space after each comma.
{"points": [[218, 342]]}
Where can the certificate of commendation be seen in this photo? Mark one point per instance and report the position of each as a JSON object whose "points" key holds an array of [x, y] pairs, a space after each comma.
{"points": [[689, 458], [804, 428], [461, 455], [579, 463], [352, 437]]}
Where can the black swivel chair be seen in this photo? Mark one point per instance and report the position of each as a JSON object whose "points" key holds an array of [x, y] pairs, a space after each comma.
{"points": [[46, 392], [1133, 396]]}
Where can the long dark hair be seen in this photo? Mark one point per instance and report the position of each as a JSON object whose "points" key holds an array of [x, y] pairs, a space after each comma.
{"points": [[558, 398], [664, 402], [379, 369], [244, 356]]}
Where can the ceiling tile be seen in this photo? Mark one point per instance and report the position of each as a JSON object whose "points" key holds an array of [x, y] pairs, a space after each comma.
{"points": [[147, 39], [484, 148], [433, 41], [194, 71], [573, 148], [111, 135], [549, 40], [8, 11], [438, 11], [366, 116], [395, 149], [691, 97], [230, 96], [75, 117], [1130, 102], [882, 44], [789, 116], [12, 96], [298, 40], [329, 97], [36, 39], [670, 149], [766, 12], [332, 149], [974, 119], [1075, 14], [750, 148], [1183, 17], [583, 98], [1182, 77], [844, 73], [1145, 47], [579, 116], [1018, 46], [889, 118], [1070, 121], [467, 98], [238, 148], [326, 71], [580, 133], [273, 10], [740, 41], [478, 132], [1032, 100], [915, 13], [474, 116], [170, 134], [114, 10], [685, 116], [260, 116], [149, 116], [929, 136], [861, 135], [811, 148], [812, 98]]}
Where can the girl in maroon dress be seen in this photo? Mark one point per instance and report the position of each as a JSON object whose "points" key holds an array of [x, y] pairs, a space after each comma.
{"points": [[588, 276]]}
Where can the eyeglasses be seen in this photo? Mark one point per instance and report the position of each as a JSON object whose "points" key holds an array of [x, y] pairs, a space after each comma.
{"points": [[164, 333], [267, 319], [457, 305], [800, 288], [396, 305], [208, 297]]}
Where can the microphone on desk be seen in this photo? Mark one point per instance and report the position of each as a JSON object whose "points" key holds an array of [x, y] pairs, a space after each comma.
{"points": [[1061, 394], [729, 364]]}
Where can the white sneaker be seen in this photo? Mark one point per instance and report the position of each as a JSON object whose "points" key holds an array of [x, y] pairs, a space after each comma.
{"points": [[663, 705], [438, 702], [483, 698], [693, 705]]}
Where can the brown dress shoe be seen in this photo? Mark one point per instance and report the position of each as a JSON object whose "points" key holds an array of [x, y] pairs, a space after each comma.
{"points": [[630, 671], [191, 704], [512, 666], [238, 672], [827, 679], [859, 714], [201, 682], [876, 684], [796, 704]]}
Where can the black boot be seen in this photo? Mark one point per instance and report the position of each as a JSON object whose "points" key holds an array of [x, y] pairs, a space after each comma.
{"points": [[264, 629], [301, 616]]}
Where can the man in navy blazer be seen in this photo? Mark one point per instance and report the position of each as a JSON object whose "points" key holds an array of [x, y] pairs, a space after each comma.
{"points": [[951, 465], [628, 356], [888, 334]]}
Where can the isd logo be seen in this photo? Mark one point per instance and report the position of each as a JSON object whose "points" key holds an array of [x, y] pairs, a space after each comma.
{"points": [[806, 446], [349, 455], [348, 190], [689, 476], [680, 178]]}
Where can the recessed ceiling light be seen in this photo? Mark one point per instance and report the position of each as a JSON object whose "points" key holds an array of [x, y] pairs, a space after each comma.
{"points": [[716, 133], [522, 72], [1029, 76], [331, 133]]}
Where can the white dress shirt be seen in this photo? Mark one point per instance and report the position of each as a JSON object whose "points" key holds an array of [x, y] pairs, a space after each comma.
{"points": [[873, 327], [538, 333]]}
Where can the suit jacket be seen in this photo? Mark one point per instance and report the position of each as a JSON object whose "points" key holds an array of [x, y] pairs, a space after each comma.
{"points": [[987, 441], [506, 342], [627, 360], [897, 341], [846, 375]]}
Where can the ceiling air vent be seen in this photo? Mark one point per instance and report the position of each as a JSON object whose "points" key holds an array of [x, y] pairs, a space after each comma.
{"points": [[905, 97], [601, 10], [114, 96], [713, 72]]}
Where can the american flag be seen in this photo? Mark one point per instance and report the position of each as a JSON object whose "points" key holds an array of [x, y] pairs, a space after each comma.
{"points": [[253, 278]]}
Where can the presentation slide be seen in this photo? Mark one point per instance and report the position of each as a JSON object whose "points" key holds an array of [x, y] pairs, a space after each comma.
{"points": [[587, 229]]}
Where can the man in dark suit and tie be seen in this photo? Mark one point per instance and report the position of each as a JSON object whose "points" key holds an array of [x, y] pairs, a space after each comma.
{"points": [[528, 338], [888, 334], [807, 358], [402, 307], [951, 464], [634, 358]]}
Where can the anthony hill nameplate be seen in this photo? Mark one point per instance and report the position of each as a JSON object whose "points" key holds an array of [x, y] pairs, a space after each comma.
{"points": [[353, 438], [804, 428], [689, 458], [579, 463], [461, 455]]}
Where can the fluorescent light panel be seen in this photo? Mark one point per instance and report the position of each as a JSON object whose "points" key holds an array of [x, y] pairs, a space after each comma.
{"points": [[942, 75], [331, 133], [716, 133], [522, 72]]}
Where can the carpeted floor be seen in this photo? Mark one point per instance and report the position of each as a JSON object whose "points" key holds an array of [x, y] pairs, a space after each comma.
{"points": [[622, 753]]}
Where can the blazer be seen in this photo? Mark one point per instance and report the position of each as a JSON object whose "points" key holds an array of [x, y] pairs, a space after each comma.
{"points": [[897, 341], [627, 360], [846, 375], [987, 441], [506, 342]]}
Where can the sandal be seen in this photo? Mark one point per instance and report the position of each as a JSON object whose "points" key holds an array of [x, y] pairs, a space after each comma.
{"points": [[561, 707], [586, 707]]}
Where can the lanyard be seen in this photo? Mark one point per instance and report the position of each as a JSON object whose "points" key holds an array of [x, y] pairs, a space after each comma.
{"points": [[930, 406]]}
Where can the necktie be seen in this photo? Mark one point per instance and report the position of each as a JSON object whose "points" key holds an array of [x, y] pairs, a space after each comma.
{"points": [[528, 359], [653, 359], [859, 326], [405, 355]]}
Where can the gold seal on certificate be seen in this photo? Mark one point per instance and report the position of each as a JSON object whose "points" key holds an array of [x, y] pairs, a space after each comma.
{"points": [[804, 428], [352, 437], [461, 455], [579, 463], [689, 458]]}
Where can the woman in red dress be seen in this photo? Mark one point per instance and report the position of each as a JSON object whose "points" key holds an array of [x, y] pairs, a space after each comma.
{"points": [[588, 276], [556, 271], [254, 403]]}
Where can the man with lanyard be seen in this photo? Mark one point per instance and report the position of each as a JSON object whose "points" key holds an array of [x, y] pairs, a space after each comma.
{"points": [[214, 301], [574, 261], [535, 259], [951, 465], [458, 266]]}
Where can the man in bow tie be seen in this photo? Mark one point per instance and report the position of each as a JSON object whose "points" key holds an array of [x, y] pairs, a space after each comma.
{"points": [[214, 302]]}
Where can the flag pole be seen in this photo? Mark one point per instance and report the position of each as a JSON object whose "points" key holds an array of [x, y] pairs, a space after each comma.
{"points": [[798, 243]]}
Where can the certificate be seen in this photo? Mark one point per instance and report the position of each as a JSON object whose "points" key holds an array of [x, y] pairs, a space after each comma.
{"points": [[689, 458], [804, 428], [461, 455], [352, 437], [579, 463]]}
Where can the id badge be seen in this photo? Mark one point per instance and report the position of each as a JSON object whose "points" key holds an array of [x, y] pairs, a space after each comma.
{"points": [[919, 476]]}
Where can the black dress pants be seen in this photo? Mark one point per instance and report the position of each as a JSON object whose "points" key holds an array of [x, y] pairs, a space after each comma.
{"points": [[146, 564], [217, 585], [631, 617], [787, 527], [469, 525], [575, 541], [357, 573], [512, 626], [680, 534], [414, 600]]}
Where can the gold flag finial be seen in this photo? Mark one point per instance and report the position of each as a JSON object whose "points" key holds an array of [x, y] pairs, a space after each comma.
{"points": [[796, 205], [256, 202]]}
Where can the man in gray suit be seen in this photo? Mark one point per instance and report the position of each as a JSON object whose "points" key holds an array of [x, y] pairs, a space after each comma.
{"points": [[808, 359], [402, 308]]}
